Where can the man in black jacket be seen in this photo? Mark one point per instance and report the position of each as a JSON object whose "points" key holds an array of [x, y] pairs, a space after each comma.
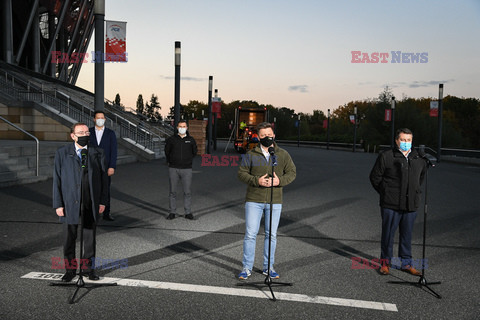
{"points": [[179, 151], [397, 176]]}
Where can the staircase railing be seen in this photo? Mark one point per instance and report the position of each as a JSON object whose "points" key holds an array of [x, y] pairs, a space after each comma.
{"points": [[37, 156]]}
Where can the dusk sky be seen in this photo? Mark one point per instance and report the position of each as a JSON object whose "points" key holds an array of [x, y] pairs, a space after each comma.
{"points": [[295, 54]]}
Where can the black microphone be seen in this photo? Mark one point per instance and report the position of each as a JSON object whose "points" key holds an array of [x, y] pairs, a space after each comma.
{"points": [[84, 157], [431, 160], [271, 150]]}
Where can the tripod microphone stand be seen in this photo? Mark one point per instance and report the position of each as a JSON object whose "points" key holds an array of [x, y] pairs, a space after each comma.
{"points": [[268, 279], [422, 282], [80, 282]]}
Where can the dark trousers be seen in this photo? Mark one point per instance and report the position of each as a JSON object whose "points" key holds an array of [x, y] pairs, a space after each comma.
{"points": [[89, 241], [107, 205], [185, 175], [391, 220]]}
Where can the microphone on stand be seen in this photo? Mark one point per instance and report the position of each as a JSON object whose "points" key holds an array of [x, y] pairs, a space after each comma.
{"points": [[271, 150], [431, 160]]}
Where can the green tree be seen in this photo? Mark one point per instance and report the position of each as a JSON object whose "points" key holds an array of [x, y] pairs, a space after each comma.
{"points": [[140, 108], [152, 109]]}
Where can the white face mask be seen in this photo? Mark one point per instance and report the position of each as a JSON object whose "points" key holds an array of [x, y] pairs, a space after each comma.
{"points": [[99, 122], [182, 131]]}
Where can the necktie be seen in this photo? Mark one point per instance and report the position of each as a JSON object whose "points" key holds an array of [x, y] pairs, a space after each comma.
{"points": [[80, 154]]}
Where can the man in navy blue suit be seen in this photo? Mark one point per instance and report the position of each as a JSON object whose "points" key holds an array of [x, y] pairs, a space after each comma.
{"points": [[79, 189], [105, 138]]}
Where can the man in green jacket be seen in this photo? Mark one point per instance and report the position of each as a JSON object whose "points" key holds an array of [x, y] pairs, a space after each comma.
{"points": [[255, 170]]}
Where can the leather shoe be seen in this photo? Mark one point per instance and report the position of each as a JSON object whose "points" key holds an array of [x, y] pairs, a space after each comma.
{"points": [[411, 270], [189, 216], [385, 270], [93, 276], [108, 217], [68, 276], [171, 216]]}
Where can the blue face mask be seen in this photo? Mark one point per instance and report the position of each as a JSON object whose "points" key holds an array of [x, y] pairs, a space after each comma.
{"points": [[405, 146]]}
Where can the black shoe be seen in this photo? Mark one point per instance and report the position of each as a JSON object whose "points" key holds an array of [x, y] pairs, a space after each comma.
{"points": [[68, 276], [171, 216], [93, 276], [108, 217], [189, 216]]}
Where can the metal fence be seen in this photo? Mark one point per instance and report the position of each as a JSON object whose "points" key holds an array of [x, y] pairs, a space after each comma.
{"points": [[20, 89]]}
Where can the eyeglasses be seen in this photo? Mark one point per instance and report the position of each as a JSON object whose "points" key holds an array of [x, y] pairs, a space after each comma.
{"points": [[82, 133]]}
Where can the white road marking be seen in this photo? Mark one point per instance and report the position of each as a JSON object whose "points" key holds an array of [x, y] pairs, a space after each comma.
{"points": [[227, 291]]}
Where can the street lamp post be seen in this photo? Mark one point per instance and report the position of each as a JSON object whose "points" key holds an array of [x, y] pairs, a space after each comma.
{"points": [[440, 113], [393, 123], [354, 128], [215, 125], [328, 130], [298, 141], [99, 11], [210, 86], [177, 84]]}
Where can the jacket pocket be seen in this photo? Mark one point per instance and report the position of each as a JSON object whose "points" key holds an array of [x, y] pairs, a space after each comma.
{"points": [[391, 196]]}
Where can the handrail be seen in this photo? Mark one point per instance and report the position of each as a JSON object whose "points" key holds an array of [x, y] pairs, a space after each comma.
{"points": [[63, 103], [30, 135]]}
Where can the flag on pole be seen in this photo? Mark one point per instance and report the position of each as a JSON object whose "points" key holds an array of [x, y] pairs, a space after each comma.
{"points": [[115, 42], [433, 108], [388, 114], [352, 118], [325, 124]]}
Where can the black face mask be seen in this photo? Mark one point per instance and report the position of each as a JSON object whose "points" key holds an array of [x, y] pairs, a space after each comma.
{"points": [[83, 141], [267, 141]]}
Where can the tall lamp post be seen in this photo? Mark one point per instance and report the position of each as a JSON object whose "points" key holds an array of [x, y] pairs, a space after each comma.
{"points": [[210, 86], [392, 142], [298, 141], [440, 112], [99, 11], [328, 130], [354, 128], [177, 84]]}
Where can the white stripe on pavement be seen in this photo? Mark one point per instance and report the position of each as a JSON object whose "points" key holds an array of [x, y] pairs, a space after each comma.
{"points": [[227, 291]]}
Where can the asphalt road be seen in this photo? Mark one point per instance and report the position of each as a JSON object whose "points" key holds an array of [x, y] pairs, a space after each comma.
{"points": [[330, 217]]}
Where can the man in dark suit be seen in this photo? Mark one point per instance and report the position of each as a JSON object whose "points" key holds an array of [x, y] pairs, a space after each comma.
{"points": [[105, 138], [79, 187]]}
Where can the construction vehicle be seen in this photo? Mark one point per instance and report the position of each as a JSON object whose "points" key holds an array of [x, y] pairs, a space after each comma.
{"points": [[245, 127]]}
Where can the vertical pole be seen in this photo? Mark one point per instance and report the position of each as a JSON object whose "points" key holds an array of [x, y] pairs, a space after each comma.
{"points": [[215, 125], [392, 142], [8, 31], [354, 128], [209, 140], [177, 83], [99, 10], [328, 130], [36, 42], [298, 140], [440, 116]]}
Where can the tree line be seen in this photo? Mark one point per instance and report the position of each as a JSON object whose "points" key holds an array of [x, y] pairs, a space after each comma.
{"points": [[461, 120]]}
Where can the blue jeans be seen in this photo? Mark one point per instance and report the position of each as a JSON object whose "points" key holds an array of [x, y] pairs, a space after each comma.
{"points": [[391, 220], [253, 215]]}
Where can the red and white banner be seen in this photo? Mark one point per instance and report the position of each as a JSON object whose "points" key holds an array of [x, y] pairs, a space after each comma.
{"points": [[388, 114], [433, 108], [325, 124], [352, 118], [217, 106], [115, 41]]}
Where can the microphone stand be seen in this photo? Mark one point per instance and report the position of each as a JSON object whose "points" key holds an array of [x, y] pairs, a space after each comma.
{"points": [[80, 282], [268, 279], [422, 282]]}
